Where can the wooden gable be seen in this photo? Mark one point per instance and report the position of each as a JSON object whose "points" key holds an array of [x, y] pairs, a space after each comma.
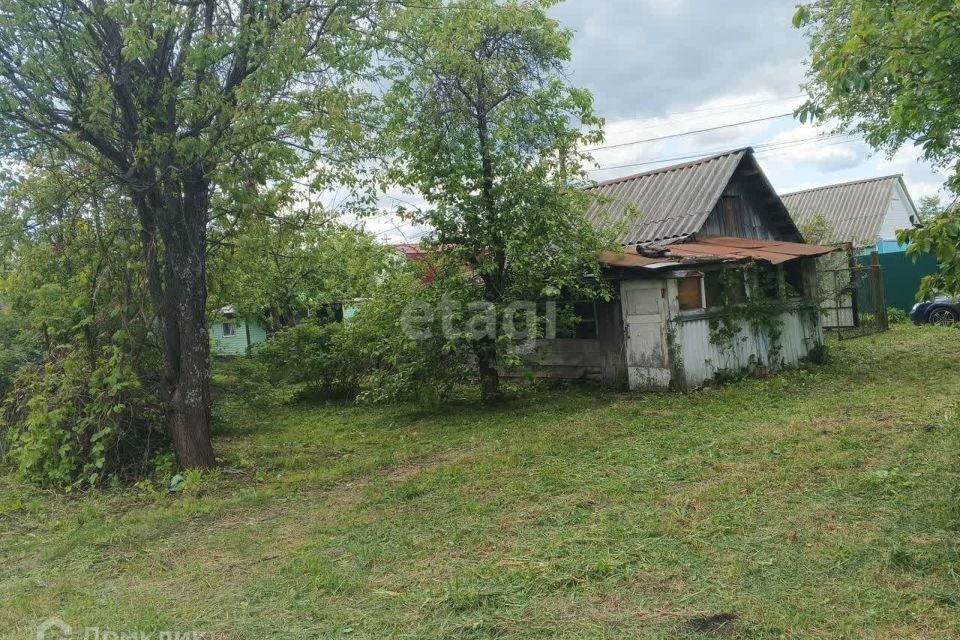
{"points": [[750, 208]]}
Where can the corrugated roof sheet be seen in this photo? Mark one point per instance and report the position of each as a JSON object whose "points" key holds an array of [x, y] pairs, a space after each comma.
{"points": [[854, 210], [772, 251], [669, 203]]}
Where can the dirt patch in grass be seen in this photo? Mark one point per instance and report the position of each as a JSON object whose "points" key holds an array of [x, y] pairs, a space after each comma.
{"points": [[718, 624]]}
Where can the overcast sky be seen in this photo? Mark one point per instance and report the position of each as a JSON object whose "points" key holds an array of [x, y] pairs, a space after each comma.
{"points": [[659, 67]]}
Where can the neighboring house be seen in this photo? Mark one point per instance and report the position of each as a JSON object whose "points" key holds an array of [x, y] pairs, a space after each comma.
{"points": [[690, 231], [231, 335], [866, 214]]}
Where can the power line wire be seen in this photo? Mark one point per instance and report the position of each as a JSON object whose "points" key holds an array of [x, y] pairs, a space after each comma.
{"points": [[766, 146], [723, 108], [688, 133]]}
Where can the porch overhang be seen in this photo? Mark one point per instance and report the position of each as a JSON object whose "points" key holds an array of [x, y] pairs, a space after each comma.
{"points": [[710, 249]]}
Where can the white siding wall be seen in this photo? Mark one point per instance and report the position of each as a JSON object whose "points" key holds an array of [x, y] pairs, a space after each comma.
{"points": [[898, 214], [702, 359]]}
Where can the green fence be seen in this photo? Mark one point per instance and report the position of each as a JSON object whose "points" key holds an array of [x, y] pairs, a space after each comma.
{"points": [[901, 276]]}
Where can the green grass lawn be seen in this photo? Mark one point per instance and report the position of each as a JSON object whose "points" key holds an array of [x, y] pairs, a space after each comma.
{"points": [[822, 503]]}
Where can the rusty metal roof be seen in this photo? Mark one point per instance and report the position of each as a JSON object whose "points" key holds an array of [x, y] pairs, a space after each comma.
{"points": [[630, 259], [666, 204], [772, 251], [854, 210], [707, 249]]}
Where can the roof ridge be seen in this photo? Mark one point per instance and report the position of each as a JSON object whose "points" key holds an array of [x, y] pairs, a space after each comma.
{"points": [[843, 184], [672, 167]]}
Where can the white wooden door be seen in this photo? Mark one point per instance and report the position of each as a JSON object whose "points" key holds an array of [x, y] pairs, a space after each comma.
{"points": [[644, 304]]}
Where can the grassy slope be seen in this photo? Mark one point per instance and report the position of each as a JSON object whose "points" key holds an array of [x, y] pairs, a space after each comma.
{"points": [[823, 503]]}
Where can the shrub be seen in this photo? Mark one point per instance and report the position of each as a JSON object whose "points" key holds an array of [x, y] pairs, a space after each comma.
{"points": [[13, 350], [319, 359], [400, 367], [895, 315], [819, 354], [252, 381], [75, 420]]}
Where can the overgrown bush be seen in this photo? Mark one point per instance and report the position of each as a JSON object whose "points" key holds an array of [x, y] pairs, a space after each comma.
{"points": [[76, 420], [13, 350], [400, 365], [318, 359], [895, 315], [251, 381]]}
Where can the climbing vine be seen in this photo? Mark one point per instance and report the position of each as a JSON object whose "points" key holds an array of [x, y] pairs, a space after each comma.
{"points": [[761, 309], [677, 378]]}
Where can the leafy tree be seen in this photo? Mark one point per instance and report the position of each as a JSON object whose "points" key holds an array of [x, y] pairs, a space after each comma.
{"points": [[930, 207], [888, 69], [936, 232], [489, 132], [817, 230], [287, 267], [184, 109]]}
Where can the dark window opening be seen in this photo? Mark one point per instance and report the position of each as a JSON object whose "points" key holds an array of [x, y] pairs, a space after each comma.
{"points": [[725, 287], [229, 330], [330, 313], [766, 282], [577, 320], [793, 279]]}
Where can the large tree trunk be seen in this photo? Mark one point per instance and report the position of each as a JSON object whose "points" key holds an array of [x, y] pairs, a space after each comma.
{"points": [[189, 410], [185, 239], [180, 294]]}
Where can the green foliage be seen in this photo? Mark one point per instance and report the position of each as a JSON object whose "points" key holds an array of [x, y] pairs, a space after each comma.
{"points": [[896, 315], [817, 230], [820, 354], [316, 358], [887, 69], [14, 349], [190, 119], [762, 311], [252, 381], [88, 406], [937, 233], [373, 356], [490, 133], [288, 267], [424, 364], [70, 422]]}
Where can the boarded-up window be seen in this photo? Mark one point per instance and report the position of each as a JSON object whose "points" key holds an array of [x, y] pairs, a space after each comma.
{"points": [[690, 293]]}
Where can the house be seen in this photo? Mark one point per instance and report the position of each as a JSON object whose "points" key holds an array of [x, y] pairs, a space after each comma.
{"points": [[866, 214], [231, 335], [863, 213], [714, 279]]}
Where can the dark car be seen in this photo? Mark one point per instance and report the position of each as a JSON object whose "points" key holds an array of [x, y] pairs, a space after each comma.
{"points": [[943, 311]]}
